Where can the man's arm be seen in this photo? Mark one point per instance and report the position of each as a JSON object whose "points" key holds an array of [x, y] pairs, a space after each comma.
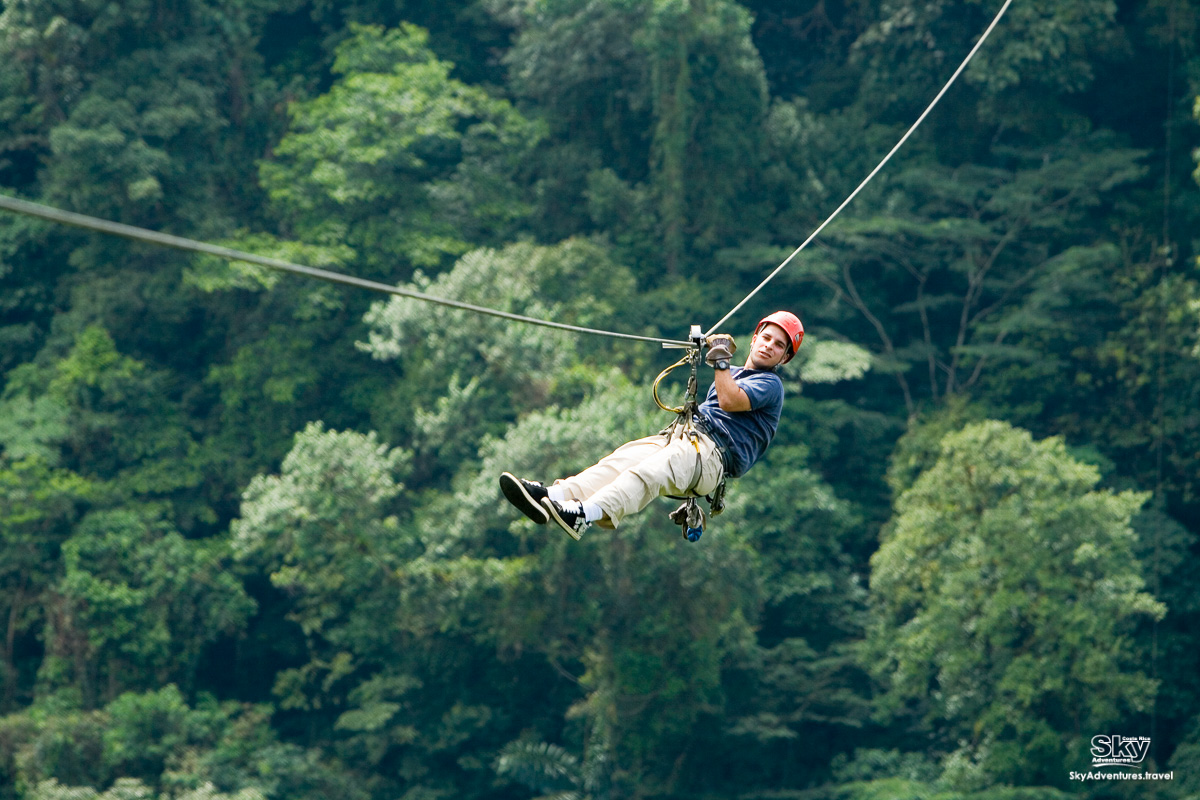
{"points": [[730, 396]]}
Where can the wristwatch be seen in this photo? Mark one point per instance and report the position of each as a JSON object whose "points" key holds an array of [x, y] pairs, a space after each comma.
{"points": [[722, 365]]}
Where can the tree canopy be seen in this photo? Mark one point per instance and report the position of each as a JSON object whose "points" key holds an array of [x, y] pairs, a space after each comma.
{"points": [[251, 541]]}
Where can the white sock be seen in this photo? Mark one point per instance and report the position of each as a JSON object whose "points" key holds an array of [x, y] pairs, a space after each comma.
{"points": [[591, 511], [555, 493]]}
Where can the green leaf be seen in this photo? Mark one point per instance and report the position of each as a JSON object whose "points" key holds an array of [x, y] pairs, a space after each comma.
{"points": [[833, 361]]}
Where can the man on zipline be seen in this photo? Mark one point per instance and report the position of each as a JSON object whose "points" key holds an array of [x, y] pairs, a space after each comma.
{"points": [[735, 423]]}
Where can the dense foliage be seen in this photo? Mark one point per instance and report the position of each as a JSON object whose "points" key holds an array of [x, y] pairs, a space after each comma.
{"points": [[251, 542]]}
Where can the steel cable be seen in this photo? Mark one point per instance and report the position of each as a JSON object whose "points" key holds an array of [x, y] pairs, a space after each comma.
{"points": [[52, 214], [873, 173]]}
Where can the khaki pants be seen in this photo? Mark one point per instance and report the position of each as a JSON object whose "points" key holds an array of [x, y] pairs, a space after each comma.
{"points": [[626, 481]]}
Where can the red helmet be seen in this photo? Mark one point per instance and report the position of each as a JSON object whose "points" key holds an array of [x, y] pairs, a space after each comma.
{"points": [[791, 326]]}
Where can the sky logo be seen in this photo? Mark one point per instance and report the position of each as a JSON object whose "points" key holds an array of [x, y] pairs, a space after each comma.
{"points": [[1122, 751]]}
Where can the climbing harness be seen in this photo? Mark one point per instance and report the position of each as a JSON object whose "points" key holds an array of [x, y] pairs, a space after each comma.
{"points": [[687, 423]]}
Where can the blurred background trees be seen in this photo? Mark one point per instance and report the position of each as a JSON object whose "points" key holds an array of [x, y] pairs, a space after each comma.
{"points": [[250, 539]]}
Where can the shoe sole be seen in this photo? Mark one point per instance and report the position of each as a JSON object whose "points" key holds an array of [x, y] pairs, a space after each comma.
{"points": [[574, 534], [515, 493]]}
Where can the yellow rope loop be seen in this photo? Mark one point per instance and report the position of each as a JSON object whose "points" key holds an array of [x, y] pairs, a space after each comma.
{"points": [[659, 379]]}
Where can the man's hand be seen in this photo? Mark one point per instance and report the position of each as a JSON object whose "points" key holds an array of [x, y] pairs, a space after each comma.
{"points": [[720, 350]]}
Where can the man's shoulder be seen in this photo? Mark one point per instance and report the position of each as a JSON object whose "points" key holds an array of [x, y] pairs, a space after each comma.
{"points": [[765, 384], [748, 372], [765, 377]]}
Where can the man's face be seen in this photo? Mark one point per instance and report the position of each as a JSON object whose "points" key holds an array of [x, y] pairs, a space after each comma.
{"points": [[768, 348]]}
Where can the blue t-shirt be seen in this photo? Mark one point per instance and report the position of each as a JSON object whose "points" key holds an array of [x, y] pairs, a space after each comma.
{"points": [[745, 435]]}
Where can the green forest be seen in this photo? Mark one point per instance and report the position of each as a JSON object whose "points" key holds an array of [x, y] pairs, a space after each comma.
{"points": [[251, 541]]}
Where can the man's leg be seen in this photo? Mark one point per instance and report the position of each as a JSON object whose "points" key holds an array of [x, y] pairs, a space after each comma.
{"points": [[669, 470], [628, 479], [527, 495], [605, 471]]}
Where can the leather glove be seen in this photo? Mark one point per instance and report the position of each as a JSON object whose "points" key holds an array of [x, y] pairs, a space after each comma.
{"points": [[720, 350]]}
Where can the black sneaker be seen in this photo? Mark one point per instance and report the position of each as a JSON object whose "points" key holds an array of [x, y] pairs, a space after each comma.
{"points": [[525, 495], [568, 516]]}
